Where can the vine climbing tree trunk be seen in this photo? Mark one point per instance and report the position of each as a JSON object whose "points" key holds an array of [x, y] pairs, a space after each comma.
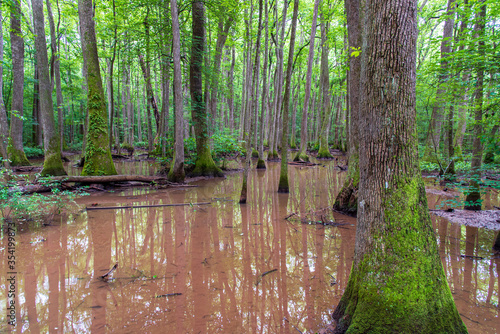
{"points": [[396, 265]]}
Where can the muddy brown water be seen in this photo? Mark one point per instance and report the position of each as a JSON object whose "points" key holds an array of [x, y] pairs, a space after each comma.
{"points": [[217, 268]]}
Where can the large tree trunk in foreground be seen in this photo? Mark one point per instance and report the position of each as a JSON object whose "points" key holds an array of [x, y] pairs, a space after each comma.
{"points": [[204, 164], [15, 148], [98, 159], [52, 163], [176, 173], [397, 283], [283, 186], [347, 198]]}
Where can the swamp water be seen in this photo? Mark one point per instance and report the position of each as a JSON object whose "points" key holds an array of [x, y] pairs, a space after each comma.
{"points": [[219, 267]]}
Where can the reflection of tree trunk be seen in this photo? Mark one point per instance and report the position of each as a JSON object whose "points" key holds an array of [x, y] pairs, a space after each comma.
{"points": [[470, 242], [101, 233], [179, 248], [455, 231], [197, 249], [30, 290], [53, 250]]}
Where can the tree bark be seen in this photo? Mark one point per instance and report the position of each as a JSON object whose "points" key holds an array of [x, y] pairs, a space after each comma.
{"points": [[52, 163], [177, 173], [98, 159], [15, 148], [283, 186], [204, 164], [397, 266]]}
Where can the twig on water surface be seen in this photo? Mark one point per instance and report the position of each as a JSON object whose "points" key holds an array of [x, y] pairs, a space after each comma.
{"points": [[105, 276], [472, 257], [259, 279], [144, 206], [296, 328], [290, 215], [169, 295]]}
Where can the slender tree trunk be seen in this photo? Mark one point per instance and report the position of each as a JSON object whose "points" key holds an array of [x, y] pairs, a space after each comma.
{"points": [[253, 91], [434, 132], [231, 91], [396, 265], [56, 72], [324, 151], [52, 164], [4, 125], [347, 198], [283, 182], [176, 173], [204, 164], [15, 148], [98, 159], [264, 97], [473, 198], [302, 154]]}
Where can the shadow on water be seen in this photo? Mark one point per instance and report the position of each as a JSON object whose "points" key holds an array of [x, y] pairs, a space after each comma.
{"points": [[223, 267]]}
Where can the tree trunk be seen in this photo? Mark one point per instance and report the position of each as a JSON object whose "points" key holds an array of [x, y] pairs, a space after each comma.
{"points": [[177, 173], [283, 186], [204, 164], [56, 72], [52, 164], [347, 198], [4, 126], [324, 151], [253, 102], [473, 198], [264, 98], [397, 282], [434, 132], [302, 154], [15, 147], [98, 159]]}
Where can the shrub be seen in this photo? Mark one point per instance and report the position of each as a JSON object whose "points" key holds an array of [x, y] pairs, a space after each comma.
{"points": [[33, 152]]}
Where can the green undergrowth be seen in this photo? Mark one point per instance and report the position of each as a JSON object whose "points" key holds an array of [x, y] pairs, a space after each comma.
{"points": [[19, 207], [225, 147]]}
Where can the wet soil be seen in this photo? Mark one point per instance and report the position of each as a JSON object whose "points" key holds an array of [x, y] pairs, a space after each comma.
{"points": [[278, 264]]}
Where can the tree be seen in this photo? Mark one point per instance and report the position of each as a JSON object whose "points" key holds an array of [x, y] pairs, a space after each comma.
{"points": [[177, 173], [347, 198], [52, 163], [283, 182], [397, 282], [301, 155], [473, 199], [204, 164], [98, 159], [3, 113], [15, 148]]}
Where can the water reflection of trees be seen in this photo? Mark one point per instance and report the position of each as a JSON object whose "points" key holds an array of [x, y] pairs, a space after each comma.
{"points": [[214, 257]]}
